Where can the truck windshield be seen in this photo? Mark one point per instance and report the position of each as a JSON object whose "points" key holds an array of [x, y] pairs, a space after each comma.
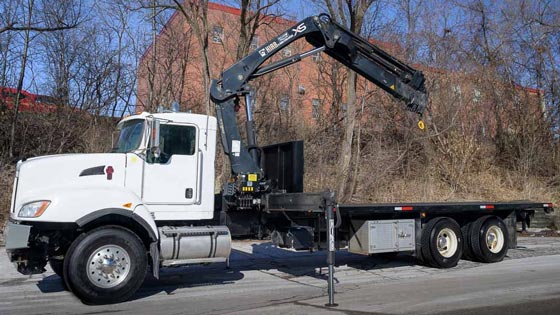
{"points": [[130, 134]]}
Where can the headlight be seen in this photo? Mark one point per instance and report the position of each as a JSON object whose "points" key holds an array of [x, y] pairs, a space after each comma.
{"points": [[33, 209]]}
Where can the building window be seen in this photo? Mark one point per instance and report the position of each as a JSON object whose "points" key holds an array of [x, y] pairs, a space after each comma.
{"points": [[315, 107], [284, 102], [254, 43], [316, 57], [217, 34], [286, 52]]}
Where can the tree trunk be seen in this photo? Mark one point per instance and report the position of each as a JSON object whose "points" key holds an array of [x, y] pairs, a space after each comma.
{"points": [[21, 78], [345, 157], [351, 14]]}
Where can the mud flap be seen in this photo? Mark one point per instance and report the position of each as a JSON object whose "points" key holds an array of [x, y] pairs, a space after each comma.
{"points": [[154, 253]]}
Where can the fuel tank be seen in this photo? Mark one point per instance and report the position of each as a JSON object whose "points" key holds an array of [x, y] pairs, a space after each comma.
{"points": [[194, 244]]}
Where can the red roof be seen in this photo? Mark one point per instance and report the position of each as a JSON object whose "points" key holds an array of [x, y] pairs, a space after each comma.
{"points": [[28, 102]]}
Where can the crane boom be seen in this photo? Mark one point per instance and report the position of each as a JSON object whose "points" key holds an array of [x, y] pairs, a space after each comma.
{"points": [[393, 76]]}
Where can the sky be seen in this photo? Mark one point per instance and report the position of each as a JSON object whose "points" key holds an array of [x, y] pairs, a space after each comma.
{"points": [[295, 9]]}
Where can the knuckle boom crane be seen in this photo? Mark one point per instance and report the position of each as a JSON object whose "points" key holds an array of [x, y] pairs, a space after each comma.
{"points": [[152, 201], [247, 182]]}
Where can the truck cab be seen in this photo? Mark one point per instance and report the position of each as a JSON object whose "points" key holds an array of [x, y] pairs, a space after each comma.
{"points": [[153, 190], [172, 176], [170, 163]]}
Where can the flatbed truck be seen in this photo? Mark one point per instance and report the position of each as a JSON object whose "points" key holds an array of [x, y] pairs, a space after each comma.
{"points": [[103, 220]]}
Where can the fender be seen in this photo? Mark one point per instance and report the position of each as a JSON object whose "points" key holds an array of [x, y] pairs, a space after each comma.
{"points": [[142, 216], [150, 227]]}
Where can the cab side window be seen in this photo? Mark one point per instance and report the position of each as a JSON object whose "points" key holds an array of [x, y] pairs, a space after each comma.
{"points": [[176, 140]]}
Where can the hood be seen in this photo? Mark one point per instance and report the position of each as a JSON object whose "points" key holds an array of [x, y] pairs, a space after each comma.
{"points": [[46, 173]]}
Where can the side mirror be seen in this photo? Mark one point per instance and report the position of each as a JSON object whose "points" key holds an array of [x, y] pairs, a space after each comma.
{"points": [[154, 139]]}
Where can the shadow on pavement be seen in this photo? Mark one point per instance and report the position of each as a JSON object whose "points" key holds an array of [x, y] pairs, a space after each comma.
{"points": [[280, 262], [292, 264], [172, 279], [51, 284]]}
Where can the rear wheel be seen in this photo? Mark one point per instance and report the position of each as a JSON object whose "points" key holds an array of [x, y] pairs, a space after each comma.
{"points": [[442, 243], [489, 239], [107, 265]]}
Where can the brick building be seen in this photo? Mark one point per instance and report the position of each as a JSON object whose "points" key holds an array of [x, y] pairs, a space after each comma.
{"points": [[304, 92], [295, 91]]}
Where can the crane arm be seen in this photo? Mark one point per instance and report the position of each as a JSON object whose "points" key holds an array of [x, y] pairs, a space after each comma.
{"points": [[398, 79]]}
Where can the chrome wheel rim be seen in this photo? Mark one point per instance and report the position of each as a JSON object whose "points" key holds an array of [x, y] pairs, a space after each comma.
{"points": [[108, 266], [447, 242], [495, 239]]}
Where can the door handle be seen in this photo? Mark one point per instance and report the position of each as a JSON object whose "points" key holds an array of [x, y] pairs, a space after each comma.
{"points": [[189, 193]]}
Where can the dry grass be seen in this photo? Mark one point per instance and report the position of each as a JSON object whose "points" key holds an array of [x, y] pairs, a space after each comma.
{"points": [[491, 185]]}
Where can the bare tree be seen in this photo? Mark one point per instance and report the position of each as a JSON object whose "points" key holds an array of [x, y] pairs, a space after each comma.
{"points": [[412, 10], [253, 14], [8, 13], [174, 49], [196, 15], [33, 23], [352, 14], [27, 30]]}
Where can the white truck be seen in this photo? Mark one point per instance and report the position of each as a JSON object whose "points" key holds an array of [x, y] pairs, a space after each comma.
{"points": [[101, 220]]}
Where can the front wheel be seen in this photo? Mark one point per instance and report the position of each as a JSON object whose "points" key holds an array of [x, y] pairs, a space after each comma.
{"points": [[106, 265]]}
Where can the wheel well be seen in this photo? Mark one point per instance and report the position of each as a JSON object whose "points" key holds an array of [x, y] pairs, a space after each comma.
{"points": [[123, 221], [465, 218]]}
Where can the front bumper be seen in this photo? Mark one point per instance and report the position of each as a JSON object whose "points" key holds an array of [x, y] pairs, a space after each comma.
{"points": [[29, 255], [17, 236]]}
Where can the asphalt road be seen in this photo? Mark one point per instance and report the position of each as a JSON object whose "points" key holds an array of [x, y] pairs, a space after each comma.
{"points": [[267, 280]]}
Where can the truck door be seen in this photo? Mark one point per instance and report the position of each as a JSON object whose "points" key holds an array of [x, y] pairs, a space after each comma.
{"points": [[171, 181]]}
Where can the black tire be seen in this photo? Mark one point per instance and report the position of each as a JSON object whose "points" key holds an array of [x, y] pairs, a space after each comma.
{"points": [[442, 256], [489, 239], [86, 249], [57, 266], [467, 248]]}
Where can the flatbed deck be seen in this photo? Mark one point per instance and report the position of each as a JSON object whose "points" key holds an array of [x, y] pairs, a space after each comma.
{"points": [[443, 207], [311, 202]]}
